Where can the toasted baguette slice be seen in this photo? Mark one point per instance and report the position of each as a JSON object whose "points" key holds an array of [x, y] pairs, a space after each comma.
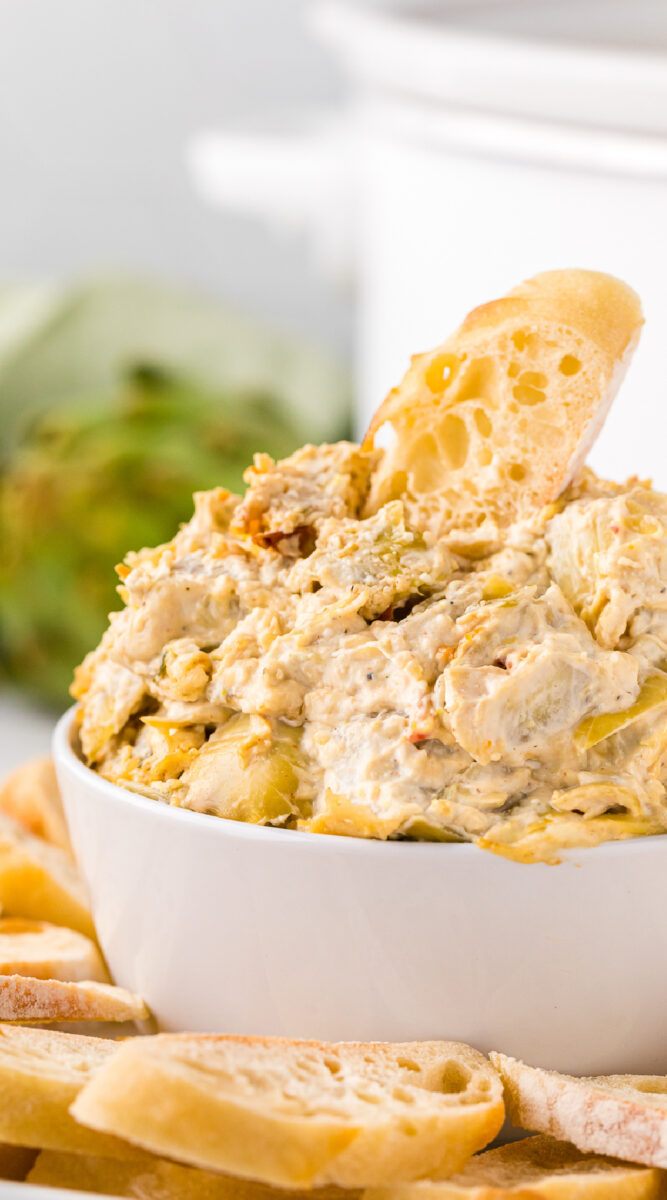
{"points": [[156, 1177], [299, 1114], [621, 1115], [46, 951], [32, 797], [41, 1073], [43, 1000], [494, 424], [536, 1166], [38, 880], [15, 1161]]}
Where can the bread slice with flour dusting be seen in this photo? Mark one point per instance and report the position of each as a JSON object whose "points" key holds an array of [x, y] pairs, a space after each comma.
{"points": [[532, 1168], [621, 1115], [298, 1114], [41, 1073], [492, 425], [23, 998]]}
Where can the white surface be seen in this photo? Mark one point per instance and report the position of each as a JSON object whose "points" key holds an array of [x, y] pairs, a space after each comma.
{"points": [[28, 1191], [235, 928], [25, 731]]}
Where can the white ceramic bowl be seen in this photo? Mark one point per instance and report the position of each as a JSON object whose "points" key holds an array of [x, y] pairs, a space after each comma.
{"points": [[235, 928]]}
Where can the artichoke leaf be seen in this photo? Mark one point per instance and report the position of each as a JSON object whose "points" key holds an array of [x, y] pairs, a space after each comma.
{"points": [[249, 770], [592, 800], [59, 343], [496, 587], [543, 840], [420, 829], [652, 694]]}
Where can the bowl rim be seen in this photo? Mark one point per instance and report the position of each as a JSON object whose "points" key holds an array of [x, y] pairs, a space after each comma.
{"points": [[64, 754]]}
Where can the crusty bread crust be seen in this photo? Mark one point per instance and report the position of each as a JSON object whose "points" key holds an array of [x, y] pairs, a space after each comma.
{"points": [[535, 1167], [299, 1114], [15, 1161], [45, 951], [26, 999], [621, 1115], [600, 307], [492, 425]]}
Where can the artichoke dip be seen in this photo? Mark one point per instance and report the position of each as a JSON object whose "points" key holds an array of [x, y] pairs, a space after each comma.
{"points": [[292, 658]]}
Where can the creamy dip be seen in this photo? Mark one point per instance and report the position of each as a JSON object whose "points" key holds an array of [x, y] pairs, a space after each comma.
{"points": [[286, 660]]}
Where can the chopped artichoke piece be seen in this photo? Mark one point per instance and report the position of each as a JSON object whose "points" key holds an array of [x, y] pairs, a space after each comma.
{"points": [[345, 817], [497, 588], [592, 730], [380, 559], [249, 770], [420, 829], [543, 839], [525, 672], [609, 557], [595, 799]]}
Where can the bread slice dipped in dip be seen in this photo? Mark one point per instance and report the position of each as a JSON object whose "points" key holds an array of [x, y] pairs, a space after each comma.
{"points": [[453, 631]]}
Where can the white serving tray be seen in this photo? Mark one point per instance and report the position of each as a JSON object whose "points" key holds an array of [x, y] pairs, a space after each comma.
{"points": [[28, 1191]]}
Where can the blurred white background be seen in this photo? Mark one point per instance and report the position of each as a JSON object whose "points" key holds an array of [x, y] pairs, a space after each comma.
{"points": [[98, 99]]}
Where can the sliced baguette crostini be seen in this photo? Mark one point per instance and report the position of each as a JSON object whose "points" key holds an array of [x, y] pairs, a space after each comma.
{"points": [[621, 1115], [157, 1179], [44, 1000], [492, 425], [32, 797], [39, 880], [299, 1114], [45, 951], [535, 1167], [41, 1073]]}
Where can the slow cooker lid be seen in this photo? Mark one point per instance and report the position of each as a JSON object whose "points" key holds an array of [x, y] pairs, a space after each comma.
{"points": [[607, 24], [599, 63]]}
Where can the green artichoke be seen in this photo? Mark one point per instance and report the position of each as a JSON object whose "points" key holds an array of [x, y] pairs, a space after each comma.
{"points": [[99, 456], [94, 480]]}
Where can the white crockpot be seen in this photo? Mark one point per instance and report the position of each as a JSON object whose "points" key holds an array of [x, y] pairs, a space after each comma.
{"points": [[483, 142], [234, 928]]}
